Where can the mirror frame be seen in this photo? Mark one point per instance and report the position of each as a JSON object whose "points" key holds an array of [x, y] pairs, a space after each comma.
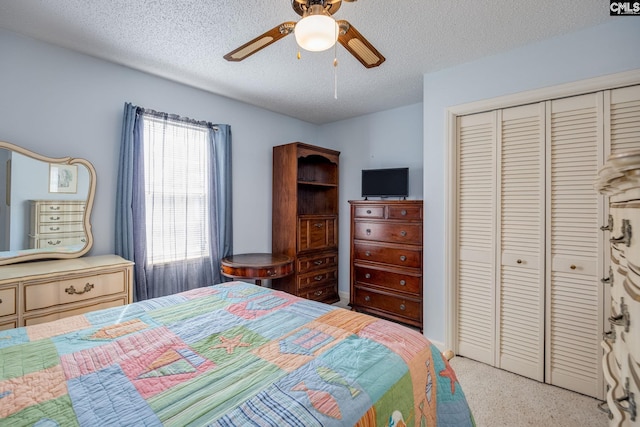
{"points": [[87, 214]]}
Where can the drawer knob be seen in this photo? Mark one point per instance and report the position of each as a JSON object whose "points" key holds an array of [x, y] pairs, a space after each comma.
{"points": [[402, 307], [519, 261], [318, 293], [368, 211], [609, 226], [626, 234], [573, 267], [367, 298], [368, 231], [71, 290], [403, 258], [403, 233], [318, 262], [367, 276], [403, 212], [52, 243], [367, 253], [318, 277], [402, 283]]}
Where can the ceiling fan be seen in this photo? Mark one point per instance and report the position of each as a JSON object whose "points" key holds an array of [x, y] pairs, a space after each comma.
{"points": [[316, 31]]}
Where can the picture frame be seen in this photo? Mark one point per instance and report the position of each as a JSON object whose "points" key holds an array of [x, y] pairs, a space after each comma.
{"points": [[63, 178]]}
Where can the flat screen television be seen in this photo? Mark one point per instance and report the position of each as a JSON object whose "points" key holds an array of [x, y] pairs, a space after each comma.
{"points": [[392, 182]]}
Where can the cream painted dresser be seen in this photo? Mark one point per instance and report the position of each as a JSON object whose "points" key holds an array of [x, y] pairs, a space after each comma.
{"points": [[620, 180], [41, 291], [56, 223]]}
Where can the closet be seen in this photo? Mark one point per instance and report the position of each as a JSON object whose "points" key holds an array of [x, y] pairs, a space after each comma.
{"points": [[530, 254]]}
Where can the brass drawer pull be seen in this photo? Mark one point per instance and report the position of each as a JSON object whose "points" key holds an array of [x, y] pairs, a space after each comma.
{"points": [[402, 283], [609, 226], [318, 277], [626, 234], [318, 293], [573, 267], [403, 233], [318, 225], [403, 258], [367, 276], [71, 290], [52, 243], [318, 262], [367, 298], [402, 307]]}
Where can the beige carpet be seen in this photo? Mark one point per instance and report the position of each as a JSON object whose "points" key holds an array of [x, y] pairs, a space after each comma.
{"points": [[500, 398]]}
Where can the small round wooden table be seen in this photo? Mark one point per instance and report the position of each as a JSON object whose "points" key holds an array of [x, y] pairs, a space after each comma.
{"points": [[257, 266]]}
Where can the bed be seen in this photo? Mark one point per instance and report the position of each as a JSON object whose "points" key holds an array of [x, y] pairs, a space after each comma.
{"points": [[233, 354]]}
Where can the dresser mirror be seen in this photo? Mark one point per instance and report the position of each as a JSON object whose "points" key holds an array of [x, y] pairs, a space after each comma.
{"points": [[45, 205]]}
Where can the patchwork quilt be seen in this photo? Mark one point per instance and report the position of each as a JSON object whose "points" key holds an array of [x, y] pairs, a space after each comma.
{"points": [[233, 354]]}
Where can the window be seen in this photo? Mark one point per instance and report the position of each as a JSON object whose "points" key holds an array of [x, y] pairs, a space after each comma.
{"points": [[176, 162]]}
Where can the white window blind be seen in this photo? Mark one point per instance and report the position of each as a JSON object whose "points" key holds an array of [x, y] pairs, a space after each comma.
{"points": [[176, 190]]}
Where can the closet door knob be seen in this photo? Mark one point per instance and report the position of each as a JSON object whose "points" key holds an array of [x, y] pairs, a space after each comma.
{"points": [[519, 261], [573, 267]]}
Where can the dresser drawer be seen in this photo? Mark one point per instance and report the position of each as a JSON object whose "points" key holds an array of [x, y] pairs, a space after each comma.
{"points": [[317, 232], [61, 217], [398, 256], [8, 301], [58, 228], [392, 280], [368, 211], [317, 278], [58, 241], [49, 294], [394, 304], [388, 232], [317, 262], [406, 212], [59, 314], [53, 206]]}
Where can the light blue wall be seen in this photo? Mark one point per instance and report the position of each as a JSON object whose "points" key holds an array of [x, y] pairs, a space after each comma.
{"points": [[60, 103], [598, 51], [391, 138]]}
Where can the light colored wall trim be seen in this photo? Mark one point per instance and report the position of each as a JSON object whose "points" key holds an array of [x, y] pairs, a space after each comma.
{"points": [[610, 81]]}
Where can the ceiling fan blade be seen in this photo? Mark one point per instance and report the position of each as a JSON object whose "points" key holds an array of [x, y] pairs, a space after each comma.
{"points": [[260, 42], [358, 46]]}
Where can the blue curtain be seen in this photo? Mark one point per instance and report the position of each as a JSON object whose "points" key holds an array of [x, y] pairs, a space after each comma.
{"points": [[153, 280]]}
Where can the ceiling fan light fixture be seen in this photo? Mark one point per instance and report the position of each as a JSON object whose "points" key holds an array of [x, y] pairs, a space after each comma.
{"points": [[316, 32]]}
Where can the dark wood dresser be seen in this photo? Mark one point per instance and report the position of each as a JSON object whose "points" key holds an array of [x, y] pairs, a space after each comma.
{"points": [[386, 259]]}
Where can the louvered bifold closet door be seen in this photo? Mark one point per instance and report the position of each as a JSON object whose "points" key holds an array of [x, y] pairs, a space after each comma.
{"points": [[521, 150], [475, 271], [574, 244], [622, 108]]}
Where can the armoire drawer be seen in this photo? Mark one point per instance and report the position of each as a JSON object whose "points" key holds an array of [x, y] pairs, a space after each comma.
{"points": [[48, 294], [317, 262], [389, 279], [8, 301], [317, 232], [328, 292], [406, 233], [404, 212], [390, 303], [398, 256], [317, 278]]}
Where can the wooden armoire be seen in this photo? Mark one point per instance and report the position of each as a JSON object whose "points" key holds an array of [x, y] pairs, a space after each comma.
{"points": [[305, 219], [532, 234]]}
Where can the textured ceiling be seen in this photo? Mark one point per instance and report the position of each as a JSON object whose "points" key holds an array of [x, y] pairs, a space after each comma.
{"points": [[185, 40]]}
